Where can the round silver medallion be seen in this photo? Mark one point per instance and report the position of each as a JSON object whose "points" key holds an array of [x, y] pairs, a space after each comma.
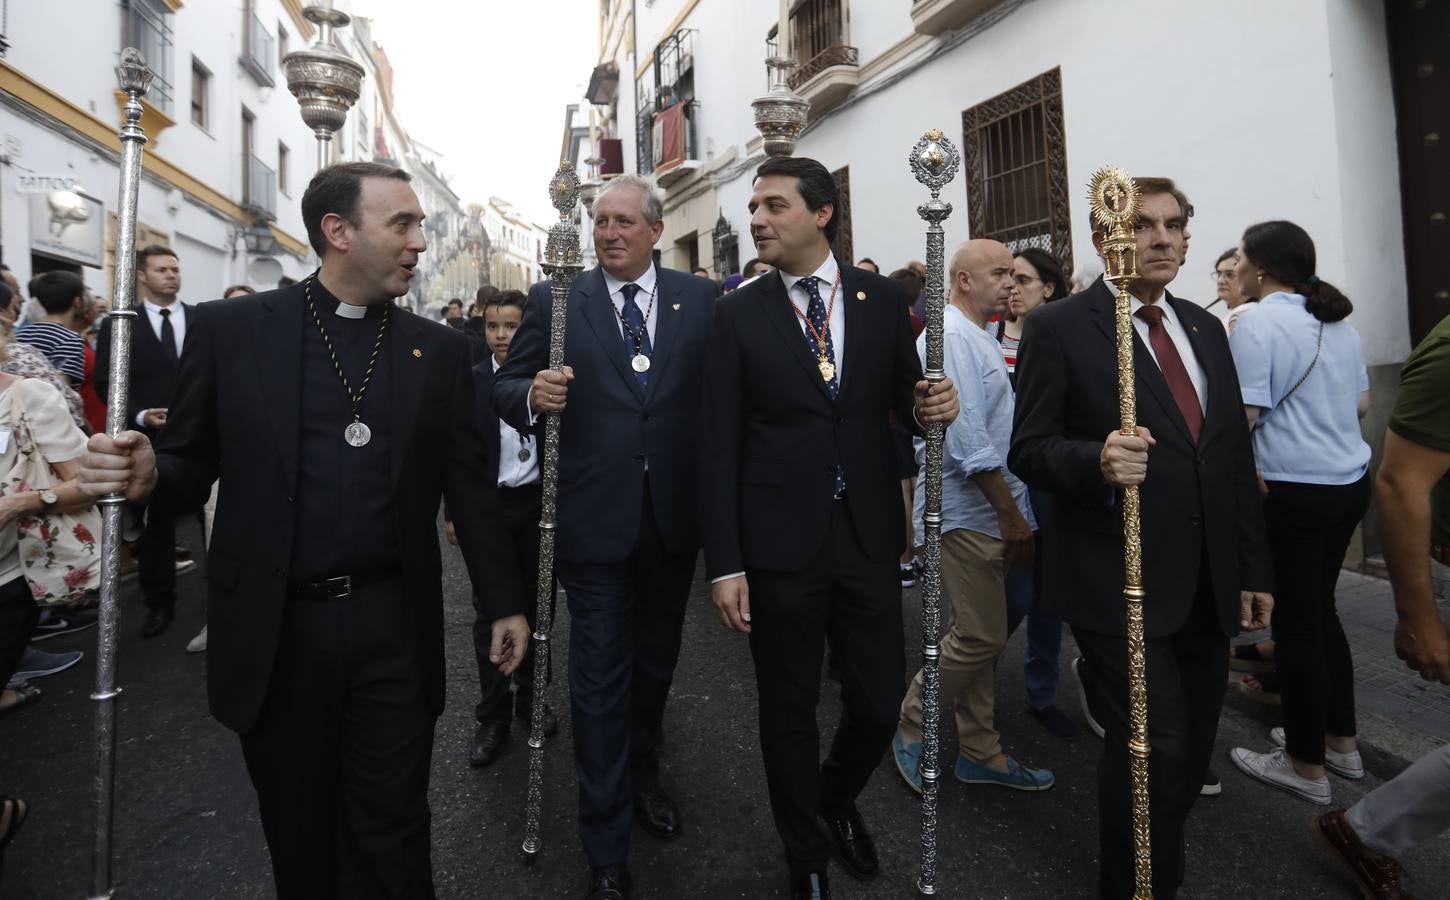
{"points": [[640, 363], [524, 454], [357, 434]]}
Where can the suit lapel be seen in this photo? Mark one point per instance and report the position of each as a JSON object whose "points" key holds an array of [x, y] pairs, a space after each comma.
{"points": [[598, 310], [780, 312], [668, 303], [1148, 377], [855, 319], [408, 369], [277, 353]]}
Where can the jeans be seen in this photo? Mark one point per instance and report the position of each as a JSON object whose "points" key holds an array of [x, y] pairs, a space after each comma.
{"points": [[1044, 631]]}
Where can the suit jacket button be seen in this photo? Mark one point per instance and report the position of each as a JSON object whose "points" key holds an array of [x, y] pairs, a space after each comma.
{"points": [[1195, 521], [840, 420]]}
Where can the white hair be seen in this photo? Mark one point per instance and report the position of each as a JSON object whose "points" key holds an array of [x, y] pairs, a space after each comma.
{"points": [[651, 205]]}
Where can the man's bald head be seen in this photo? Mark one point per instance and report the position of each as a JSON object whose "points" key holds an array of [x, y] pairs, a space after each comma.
{"points": [[981, 278]]}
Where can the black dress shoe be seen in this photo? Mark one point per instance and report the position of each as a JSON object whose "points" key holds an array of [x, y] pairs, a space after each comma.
{"points": [[811, 886], [658, 815], [158, 618], [608, 883], [488, 742], [525, 714], [853, 842]]}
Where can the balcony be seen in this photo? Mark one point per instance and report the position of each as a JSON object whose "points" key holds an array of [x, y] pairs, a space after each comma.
{"points": [[827, 77], [259, 188], [936, 16], [258, 51], [675, 143]]}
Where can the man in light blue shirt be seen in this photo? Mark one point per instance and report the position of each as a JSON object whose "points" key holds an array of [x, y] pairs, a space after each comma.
{"points": [[987, 527]]}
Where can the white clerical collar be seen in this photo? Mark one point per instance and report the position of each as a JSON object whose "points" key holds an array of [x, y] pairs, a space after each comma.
{"points": [[349, 311], [826, 273], [646, 281]]}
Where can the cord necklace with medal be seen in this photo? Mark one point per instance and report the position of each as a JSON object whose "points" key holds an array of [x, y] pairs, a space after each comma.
{"points": [[639, 362], [357, 434], [823, 362]]}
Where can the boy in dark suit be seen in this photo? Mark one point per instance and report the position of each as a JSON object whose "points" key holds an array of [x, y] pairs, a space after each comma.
{"points": [[511, 458]]}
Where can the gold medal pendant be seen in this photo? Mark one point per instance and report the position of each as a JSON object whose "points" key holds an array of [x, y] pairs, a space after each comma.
{"points": [[828, 369]]}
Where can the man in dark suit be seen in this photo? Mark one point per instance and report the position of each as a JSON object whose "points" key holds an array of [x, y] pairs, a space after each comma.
{"points": [[335, 421], [158, 344], [1205, 567], [628, 520], [802, 508]]}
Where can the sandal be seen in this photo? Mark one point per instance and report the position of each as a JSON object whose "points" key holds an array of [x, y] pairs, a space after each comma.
{"points": [[1266, 689], [1249, 658], [25, 694]]}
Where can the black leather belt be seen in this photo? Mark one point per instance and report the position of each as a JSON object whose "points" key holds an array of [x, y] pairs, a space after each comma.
{"points": [[1440, 553], [337, 588]]}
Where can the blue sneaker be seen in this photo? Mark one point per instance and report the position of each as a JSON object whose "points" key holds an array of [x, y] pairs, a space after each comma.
{"points": [[908, 760], [1018, 777]]}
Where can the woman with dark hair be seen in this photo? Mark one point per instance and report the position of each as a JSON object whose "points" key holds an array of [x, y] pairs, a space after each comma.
{"points": [[1039, 280], [1305, 388]]}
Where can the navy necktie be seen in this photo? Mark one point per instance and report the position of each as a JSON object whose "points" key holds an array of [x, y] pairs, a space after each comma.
{"points": [[635, 319], [168, 337], [816, 312]]}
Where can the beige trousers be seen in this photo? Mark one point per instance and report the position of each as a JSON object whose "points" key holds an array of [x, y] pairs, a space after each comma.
{"points": [[972, 573]]}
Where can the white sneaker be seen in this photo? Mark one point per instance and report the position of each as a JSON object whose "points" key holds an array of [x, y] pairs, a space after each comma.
{"points": [[198, 643], [1275, 769], [1345, 765]]}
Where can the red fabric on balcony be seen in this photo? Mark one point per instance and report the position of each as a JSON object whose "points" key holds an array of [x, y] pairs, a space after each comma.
{"points": [[670, 125]]}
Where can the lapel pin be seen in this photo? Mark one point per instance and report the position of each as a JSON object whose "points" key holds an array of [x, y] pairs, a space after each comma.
{"points": [[1195, 328], [860, 295], [675, 307], [417, 354]]}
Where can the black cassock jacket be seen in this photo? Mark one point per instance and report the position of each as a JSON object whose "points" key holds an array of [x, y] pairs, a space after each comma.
{"points": [[235, 417]]}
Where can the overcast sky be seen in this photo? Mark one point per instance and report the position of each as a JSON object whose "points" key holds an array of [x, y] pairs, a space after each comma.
{"points": [[485, 83]]}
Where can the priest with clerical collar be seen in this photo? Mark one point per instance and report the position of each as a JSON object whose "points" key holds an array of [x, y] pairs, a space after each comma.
{"points": [[334, 423]]}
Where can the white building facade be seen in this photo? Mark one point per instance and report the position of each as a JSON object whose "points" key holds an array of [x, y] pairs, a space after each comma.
{"points": [[227, 150], [1317, 112]]}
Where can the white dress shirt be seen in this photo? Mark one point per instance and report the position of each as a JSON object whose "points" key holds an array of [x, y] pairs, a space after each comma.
{"points": [[646, 301], [178, 321], [836, 325], [512, 471], [1178, 334]]}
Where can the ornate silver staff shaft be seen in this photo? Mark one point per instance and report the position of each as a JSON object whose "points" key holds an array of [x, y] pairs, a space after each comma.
{"points": [[135, 80], [562, 264], [934, 163]]}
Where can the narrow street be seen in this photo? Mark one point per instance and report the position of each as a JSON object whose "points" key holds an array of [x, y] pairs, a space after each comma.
{"points": [[187, 825]]}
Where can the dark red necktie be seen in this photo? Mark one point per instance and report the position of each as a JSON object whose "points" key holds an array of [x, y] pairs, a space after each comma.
{"points": [[1174, 372]]}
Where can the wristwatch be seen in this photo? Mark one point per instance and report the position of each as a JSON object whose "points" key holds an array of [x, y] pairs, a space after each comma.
{"points": [[48, 500]]}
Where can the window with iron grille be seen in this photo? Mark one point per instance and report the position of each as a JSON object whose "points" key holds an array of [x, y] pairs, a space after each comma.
{"points": [[1014, 154], [147, 27], [842, 246]]}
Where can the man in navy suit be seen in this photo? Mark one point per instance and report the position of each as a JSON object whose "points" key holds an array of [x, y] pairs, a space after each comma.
{"points": [[628, 529]]}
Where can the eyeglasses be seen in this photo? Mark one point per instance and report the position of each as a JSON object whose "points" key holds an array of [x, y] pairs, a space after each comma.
{"points": [[1024, 280], [1222, 274]]}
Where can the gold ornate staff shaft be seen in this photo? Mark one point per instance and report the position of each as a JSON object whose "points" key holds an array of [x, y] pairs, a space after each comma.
{"points": [[933, 162], [1114, 198], [562, 264]]}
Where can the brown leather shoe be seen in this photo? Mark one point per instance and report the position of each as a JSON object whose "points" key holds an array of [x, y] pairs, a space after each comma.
{"points": [[1377, 875]]}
